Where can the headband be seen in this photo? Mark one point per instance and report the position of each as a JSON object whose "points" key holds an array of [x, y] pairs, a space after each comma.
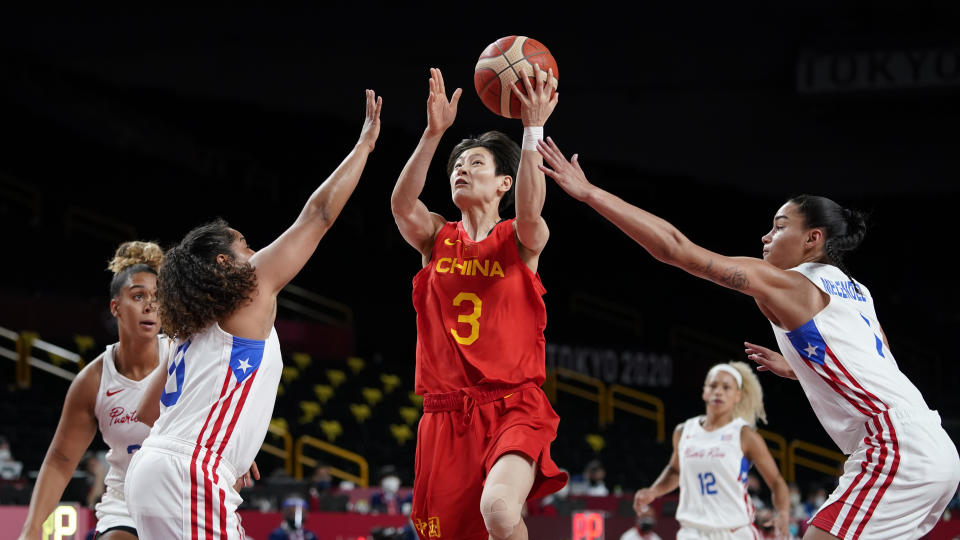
{"points": [[729, 369]]}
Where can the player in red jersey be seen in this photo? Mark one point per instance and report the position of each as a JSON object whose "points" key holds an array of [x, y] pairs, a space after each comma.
{"points": [[483, 444]]}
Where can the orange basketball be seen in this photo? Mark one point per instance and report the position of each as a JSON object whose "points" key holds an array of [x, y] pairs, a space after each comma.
{"points": [[499, 66]]}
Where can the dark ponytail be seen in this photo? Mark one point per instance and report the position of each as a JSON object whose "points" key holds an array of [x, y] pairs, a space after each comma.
{"points": [[844, 228]]}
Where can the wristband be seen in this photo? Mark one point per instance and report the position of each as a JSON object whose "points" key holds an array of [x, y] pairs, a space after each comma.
{"points": [[531, 134]]}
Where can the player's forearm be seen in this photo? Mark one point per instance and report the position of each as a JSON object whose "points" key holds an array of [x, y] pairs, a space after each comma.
{"points": [[326, 203], [47, 490], [668, 481], [413, 177], [781, 497], [660, 238], [531, 189]]}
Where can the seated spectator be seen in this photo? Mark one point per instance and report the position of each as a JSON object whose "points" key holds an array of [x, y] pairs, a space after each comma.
{"points": [[592, 481], [387, 499], [796, 503], [816, 496], [322, 480], [643, 528], [10, 469], [294, 517]]}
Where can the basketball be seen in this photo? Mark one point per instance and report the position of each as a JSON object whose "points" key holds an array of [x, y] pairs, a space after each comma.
{"points": [[500, 65]]}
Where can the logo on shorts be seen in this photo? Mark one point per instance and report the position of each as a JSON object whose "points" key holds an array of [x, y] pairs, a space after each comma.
{"points": [[429, 528]]}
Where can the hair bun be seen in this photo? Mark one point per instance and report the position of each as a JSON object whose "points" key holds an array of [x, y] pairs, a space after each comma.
{"points": [[136, 252]]}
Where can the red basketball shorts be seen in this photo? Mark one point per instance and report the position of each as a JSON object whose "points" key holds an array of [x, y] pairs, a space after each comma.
{"points": [[460, 437]]}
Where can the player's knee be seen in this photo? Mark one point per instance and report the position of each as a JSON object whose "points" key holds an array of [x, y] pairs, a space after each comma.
{"points": [[500, 507]]}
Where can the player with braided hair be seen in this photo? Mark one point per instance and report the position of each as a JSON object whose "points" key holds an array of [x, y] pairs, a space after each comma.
{"points": [[902, 468], [106, 394]]}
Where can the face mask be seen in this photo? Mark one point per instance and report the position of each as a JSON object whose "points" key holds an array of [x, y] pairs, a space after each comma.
{"points": [[794, 499], [818, 501], [323, 485], [296, 520], [390, 484], [5, 454]]}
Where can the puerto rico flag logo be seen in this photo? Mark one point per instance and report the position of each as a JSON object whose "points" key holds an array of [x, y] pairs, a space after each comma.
{"points": [[245, 357], [809, 343]]}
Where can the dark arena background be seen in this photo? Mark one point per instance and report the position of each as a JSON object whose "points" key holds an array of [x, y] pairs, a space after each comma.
{"points": [[121, 125]]}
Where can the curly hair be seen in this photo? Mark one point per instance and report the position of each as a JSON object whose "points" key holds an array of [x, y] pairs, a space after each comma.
{"points": [[506, 155], [132, 258], [750, 407], [193, 289]]}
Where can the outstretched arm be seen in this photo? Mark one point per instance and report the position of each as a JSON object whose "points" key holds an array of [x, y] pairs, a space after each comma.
{"points": [[668, 480], [417, 225], [280, 261], [74, 434], [536, 105], [790, 296]]}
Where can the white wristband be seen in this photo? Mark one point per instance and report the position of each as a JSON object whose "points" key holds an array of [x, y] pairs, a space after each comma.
{"points": [[531, 134]]}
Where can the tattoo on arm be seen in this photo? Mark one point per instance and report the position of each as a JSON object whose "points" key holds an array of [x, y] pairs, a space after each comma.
{"points": [[733, 277]]}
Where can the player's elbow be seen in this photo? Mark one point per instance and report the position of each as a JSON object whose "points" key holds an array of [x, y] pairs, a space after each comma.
{"points": [[402, 206], [320, 214], [398, 205], [670, 248]]}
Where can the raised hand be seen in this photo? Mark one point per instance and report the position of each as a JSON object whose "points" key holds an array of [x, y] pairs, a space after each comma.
{"points": [[769, 360], [537, 104], [371, 122], [568, 175], [441, 112]]}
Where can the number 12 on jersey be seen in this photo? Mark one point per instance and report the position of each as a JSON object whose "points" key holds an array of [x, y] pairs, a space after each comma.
{"points": [[471, 318], [707, 483]]}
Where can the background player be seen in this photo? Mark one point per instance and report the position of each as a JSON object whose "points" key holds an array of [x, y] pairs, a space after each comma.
{"points": [[712, 455], [218, 298], [484, 440], [902, 467], [106, 394]]}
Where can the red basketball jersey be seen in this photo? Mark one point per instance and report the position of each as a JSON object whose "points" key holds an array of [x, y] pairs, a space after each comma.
{"points": [[480, 315]]}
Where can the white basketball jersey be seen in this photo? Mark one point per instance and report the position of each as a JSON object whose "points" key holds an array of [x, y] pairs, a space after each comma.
{"points": [[116, 410], [840, 359], [219, 396], [713, 476]]}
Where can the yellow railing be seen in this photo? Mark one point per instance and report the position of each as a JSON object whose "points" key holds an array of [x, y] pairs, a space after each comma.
{"points": [[361, 480], [285, 453], [656, 414], [24, 345], [596, 393], [834, 467], [780, 452]]}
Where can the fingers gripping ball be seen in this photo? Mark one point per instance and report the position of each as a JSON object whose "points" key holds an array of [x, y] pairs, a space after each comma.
{"points": [[500, 65]]}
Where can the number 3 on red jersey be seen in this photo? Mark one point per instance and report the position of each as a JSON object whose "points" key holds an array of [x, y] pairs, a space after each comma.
{"points": [[470, 318]]}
